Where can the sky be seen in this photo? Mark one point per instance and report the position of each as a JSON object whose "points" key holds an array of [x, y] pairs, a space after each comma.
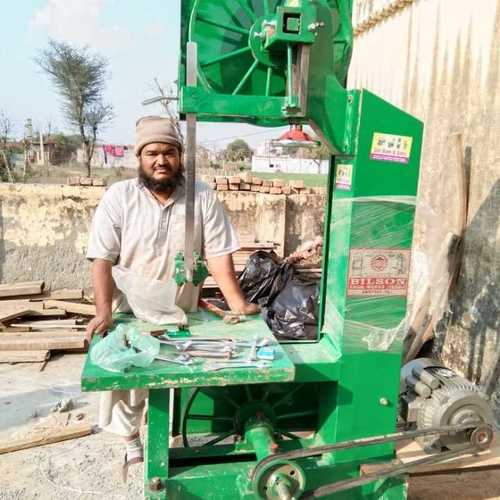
{"points": [[140, 39]]}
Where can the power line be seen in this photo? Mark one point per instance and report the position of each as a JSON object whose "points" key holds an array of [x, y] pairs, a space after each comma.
{"points": [[240, 136]]}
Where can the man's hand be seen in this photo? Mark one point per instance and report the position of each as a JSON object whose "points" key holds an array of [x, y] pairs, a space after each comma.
{"points": [[222, 271], [247, 309], [99, 325]]}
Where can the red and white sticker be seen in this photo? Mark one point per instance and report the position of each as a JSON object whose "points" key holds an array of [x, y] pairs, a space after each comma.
{"points": [[378, 271]]}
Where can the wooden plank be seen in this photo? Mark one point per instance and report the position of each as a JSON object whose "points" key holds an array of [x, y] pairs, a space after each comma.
{"points": [[42, 335], [22, 343], [34, 306], [47, 313], [42, 322], [72, 307], [413, 451], [24, 356], [12, 312], [62, 294], [47, 437], [31, 328], [24, 288]]}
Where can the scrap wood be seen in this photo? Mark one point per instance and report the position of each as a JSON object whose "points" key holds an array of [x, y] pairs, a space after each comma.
{"points": [[20, 289], [13, 311], [48, 437], [46, 313], [24, 356], [468, 462], [68, 322], [42, 342], [71, 307], [62, 294], [30, 327], [9, 333]]}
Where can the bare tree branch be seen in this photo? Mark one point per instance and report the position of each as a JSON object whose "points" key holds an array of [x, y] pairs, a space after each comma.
{"points": [[79, 77]]}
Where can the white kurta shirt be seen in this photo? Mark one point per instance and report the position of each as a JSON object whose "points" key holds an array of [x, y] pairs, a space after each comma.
{"points": [[133, 229]]}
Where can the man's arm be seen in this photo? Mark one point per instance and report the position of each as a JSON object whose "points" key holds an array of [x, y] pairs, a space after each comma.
{"points": [[222, 270], [103, 284]]}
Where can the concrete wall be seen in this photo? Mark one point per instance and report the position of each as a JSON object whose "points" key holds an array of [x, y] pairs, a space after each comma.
{"points": [[44, 228], [439, 60]]}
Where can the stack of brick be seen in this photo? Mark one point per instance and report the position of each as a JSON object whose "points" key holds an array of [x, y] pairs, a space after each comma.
{"points": [[86, 181], [248, 182]]}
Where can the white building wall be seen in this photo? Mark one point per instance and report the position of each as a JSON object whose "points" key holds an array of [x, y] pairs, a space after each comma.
{"points": [[289, 165]]}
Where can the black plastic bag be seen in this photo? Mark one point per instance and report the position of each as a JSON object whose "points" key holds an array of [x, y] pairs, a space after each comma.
{"points": [[293, 314], [264, 276]]}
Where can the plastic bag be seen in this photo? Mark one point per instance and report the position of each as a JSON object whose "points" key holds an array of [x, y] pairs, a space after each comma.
{"points": [[263, 277], [293, 314], [150, 300], [124, 347]]}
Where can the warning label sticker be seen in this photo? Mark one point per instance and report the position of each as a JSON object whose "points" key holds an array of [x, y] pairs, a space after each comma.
{"points": [[343, 177], [389, 147], [378, 271]]}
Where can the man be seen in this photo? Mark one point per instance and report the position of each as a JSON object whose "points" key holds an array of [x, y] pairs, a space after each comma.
{"points": [[139, 224]]}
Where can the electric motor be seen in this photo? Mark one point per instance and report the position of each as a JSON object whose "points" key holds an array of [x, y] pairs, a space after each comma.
{"points": [[435, 396]]}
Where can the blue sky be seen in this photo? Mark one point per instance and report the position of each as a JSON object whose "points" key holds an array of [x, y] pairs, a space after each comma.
{"points": [[140, 38]]}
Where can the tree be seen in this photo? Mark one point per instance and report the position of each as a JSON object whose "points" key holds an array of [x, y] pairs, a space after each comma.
{"points": [[79, 77], [166, 100], [238, 150], [6, 128]]}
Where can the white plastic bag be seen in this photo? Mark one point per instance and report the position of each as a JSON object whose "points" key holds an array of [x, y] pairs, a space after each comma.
{"points": [[150, 300], [125, 347]]}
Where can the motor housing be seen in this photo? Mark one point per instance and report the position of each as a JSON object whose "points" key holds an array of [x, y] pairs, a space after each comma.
{"points": [[435, 396]]}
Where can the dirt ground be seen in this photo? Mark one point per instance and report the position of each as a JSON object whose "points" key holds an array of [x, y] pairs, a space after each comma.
{"points": [[88, 468]]}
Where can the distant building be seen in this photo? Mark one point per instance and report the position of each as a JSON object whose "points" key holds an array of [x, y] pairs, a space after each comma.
{"points": [[111, 156], [285, 154]]}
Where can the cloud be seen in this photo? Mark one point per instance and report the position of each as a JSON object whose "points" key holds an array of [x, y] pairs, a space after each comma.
{"points": [[80, 22]]}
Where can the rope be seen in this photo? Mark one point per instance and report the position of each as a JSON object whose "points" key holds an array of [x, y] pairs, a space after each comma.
{"points": [[382, 15]]}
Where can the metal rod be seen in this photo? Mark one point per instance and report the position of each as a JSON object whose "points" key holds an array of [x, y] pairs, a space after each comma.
{"points": [[289, 70], [297, 414], [266, 7], [247, 75], [227, 27], [210, 418], [191, 81], [248, 10], [268, 81], [225, 56], [220, 438]]}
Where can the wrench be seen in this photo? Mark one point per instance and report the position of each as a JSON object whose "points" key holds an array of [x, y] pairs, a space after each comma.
{"points": [[221, 366]]}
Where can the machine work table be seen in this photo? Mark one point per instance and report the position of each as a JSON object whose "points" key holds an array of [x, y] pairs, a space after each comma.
{"points": [[161, 374]]}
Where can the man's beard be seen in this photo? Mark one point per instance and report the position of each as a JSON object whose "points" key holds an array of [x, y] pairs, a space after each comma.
{"points": [[161, 186]]}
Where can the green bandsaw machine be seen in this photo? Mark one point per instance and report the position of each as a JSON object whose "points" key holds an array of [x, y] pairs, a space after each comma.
{"points": [[306, 426]]}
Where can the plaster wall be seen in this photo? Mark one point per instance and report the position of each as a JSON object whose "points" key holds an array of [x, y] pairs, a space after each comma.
{"points": [[44, 228], [440, 61]]}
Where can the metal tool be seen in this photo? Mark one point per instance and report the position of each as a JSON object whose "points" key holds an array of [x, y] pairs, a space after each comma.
{"points": [[222, 366]]}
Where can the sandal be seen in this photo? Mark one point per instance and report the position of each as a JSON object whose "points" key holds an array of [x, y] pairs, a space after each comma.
{"points": [[127, 463]]}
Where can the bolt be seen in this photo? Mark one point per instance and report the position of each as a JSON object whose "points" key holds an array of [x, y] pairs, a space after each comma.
{"points": [[155, 484], [384, 401]]}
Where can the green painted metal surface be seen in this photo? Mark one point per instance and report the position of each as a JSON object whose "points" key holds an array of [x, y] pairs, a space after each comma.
{"points": [[345, 385], [161, 374]]}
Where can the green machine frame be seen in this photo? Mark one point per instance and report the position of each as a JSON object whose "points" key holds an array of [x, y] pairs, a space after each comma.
{"points": [[269, 63]]}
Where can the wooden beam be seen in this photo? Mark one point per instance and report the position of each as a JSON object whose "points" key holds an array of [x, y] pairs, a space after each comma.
{"points": [[62, 294], [24, 288], [53, 343], [24, 356], [12, 312], [48, 437], [71, 307], [47, 334], [47, 313]]}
